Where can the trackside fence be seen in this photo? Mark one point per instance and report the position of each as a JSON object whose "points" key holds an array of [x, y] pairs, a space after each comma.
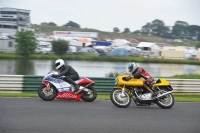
{"points": [[103, 84]]}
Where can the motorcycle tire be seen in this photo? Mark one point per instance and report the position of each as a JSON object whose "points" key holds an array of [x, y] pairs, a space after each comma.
{"points": [[86, 97], [117, 102], [43, 96], [160, 101]]}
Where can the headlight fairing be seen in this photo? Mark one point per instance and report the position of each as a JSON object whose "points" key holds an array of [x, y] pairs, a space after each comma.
{"points": [[116, 81]]}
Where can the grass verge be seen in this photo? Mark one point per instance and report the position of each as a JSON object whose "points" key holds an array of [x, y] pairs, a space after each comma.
{"points": [[179, 97], [100, 58]]}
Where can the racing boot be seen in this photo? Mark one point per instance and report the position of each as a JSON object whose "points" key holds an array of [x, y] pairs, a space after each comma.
{"points": [[78, 90], [155, 93], [150, 87]]}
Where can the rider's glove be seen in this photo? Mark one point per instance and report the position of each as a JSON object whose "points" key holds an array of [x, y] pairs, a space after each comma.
{"points": [[55, 76], [128, 78]]}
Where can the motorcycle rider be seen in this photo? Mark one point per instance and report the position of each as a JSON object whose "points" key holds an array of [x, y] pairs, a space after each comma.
{"points": [[69, 73], [139, 72]]}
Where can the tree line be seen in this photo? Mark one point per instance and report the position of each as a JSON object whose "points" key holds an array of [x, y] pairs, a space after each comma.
{"points": [[180, 30], [68, 24]]}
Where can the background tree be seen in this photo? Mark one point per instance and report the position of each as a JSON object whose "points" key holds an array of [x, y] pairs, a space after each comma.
{"points": [[25, 43], [146, 29], [60, 47], [180, 29], [116, 30], [72, 24], [49, 24], [136, 32], [52, 24], [159, 28], [197, 45], [126, 30], [44, 23], [156, 27], [198, 37], [193, 32]]}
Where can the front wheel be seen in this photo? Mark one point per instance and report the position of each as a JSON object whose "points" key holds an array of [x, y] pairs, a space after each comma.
{"points": [[165, 102], [47, 95], [89, 97], [120, 100]]}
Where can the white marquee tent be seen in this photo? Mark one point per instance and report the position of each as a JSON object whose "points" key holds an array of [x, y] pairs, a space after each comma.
{"points": [[149, 46]]}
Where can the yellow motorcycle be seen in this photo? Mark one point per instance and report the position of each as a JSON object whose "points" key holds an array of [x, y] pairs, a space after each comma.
{"points": [[140, 93]]}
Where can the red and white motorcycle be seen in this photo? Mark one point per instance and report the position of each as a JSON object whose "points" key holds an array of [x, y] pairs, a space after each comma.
{"points": [[52, 88]]}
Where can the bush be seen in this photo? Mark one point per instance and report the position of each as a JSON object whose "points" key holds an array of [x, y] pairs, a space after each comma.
{"points": [[60, 47], [26, 43], [197, 45]]}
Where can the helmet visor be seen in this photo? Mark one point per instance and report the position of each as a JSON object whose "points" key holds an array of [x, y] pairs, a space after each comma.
{"points": [[57, 64]]}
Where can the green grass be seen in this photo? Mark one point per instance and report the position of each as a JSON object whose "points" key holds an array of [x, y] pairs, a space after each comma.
{"points": [[179, 97], [187, 98], [189, 76], [18, 94], [100, 58], [184, 76]]}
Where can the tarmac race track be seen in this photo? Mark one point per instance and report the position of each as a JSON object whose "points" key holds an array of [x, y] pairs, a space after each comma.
{"points": [[33, 115]]}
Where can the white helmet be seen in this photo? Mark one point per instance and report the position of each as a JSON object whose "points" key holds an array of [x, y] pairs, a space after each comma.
{"points": [[59, 63], [132, 67]]}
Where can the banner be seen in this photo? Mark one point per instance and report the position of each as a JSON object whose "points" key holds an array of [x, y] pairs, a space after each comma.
{"points": [[76, 34]]}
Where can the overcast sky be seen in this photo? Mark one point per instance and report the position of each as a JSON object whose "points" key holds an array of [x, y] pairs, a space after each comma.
{"points": [[106, 14]]}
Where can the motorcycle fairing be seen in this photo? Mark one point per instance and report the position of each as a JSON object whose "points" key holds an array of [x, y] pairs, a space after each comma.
{"points": [[83, 81], [68, 96], [161, 82], [47, 84], [136, 82], [58, 83]]}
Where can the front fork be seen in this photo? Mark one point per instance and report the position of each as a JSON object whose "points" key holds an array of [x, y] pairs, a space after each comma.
{"points": [[47, 85], [123, 94]]}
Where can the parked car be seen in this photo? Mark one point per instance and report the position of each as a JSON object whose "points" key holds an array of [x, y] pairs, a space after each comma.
{"points": [[134, 53], [148, 54], [89, 51], [43, 49], [72, 49], [100, 51], [192, 57], [118, 52]]}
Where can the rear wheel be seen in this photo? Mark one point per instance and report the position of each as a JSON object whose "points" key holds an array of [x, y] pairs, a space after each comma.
{"points": [[120, 100], [47, 95], [89, 97], [166, 101]]}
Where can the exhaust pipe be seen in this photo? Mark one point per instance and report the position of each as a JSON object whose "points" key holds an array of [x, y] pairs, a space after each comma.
{"points": [[163, 94], [84, 88]]}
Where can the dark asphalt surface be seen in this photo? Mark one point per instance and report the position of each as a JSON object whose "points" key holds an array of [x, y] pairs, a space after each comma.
{"points": [[33, 115]]}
